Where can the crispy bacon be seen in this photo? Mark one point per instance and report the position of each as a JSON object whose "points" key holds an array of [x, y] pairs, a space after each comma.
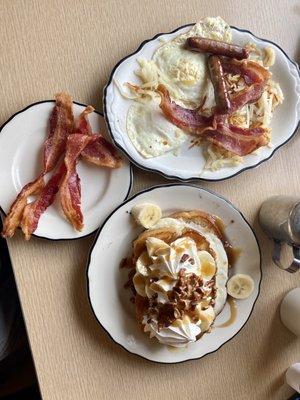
{"points": [[216, 129], [61, 126], [240, 141], [33, 211], [70, 192], [82, 124], [99, 152], [102, 153], [248, 95], [15, 213], [254, 75], [62, 132], [188, 120], [250, 71], [233, 138]]}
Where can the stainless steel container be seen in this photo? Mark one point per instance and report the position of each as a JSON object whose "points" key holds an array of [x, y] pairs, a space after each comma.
{"points": [[279, 217]]}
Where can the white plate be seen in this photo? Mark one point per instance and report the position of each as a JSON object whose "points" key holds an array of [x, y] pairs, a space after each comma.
{"points": [[21, 142], [189, 163], [110, 301]]}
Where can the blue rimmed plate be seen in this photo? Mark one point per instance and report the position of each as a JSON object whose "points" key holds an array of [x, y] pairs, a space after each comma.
{"points": [[21, 141], [189, 164], [110, 300]]}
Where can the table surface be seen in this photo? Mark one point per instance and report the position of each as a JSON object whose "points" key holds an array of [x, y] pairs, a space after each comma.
{"points": [[50, 45]]}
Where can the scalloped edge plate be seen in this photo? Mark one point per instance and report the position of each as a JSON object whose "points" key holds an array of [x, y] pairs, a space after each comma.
{"points": [[21, 141], [187, 166], [105, 281]]}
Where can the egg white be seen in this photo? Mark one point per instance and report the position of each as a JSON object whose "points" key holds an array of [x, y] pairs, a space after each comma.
{"points": [[184, 72], [150, 132]]}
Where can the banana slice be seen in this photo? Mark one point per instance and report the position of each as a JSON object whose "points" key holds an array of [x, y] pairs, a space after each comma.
{"points": [[208, 264], [148, 291], [156, 246], [240, 286], [146, 214], [139, 282], [163, 285], [206, 317], [142, 263]]}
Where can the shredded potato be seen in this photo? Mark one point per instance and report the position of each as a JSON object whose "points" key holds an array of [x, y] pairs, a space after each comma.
{"points": [[253, 49], [217, 158], [136, 93]]}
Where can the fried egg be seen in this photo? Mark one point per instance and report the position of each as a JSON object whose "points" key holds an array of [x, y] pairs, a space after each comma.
{"points": [[150, 132], [184, 72], [186, 76]]}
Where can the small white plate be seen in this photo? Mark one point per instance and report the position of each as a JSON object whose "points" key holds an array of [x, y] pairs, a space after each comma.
{"points": [[21, 143], [110, 300], [188, 165]]}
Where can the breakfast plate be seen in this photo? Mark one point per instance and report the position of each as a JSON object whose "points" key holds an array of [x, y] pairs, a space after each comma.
{"points": [[190, 163], [110, 301], [21, 142]]}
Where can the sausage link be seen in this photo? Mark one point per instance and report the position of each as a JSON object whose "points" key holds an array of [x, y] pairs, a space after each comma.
{"points": [[217, 47], [219, 84]]}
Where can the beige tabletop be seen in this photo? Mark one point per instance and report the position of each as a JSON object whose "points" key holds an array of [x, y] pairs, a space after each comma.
{"points": [[48, 46]]}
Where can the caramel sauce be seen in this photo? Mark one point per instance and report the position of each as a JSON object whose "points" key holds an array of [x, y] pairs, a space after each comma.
{"points": [[180, 322], [176, 349], [220, 224], [146, 260], [232, 252], [207, 268], [157, 288], [179, 250], [139, 280], [233, 314]]}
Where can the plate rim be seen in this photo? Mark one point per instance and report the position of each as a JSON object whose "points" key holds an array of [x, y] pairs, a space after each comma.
{"points": [[88, 263], [196, 178], [3, 213]]}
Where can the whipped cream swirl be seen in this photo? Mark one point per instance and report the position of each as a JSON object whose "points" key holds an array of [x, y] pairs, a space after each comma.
{"points": [[164, 270], [170, 259], [178, 334]]}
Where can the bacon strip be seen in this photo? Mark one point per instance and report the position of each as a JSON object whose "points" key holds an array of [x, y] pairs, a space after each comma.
{"points": [[233, 138], [188, 120], [251, 71], [235, 145], [14, 216], [246, 96], [82, 124], [61, 126], [99, 152], [237, 140], [253, 74], [33, 211], [70, 191], [102, 153]]}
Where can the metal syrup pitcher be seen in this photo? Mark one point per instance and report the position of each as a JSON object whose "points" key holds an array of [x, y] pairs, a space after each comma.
{"points": [[279, 217]]}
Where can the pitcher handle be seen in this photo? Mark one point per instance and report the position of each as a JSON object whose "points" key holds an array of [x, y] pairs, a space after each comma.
{"points": [[295, 265]]}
